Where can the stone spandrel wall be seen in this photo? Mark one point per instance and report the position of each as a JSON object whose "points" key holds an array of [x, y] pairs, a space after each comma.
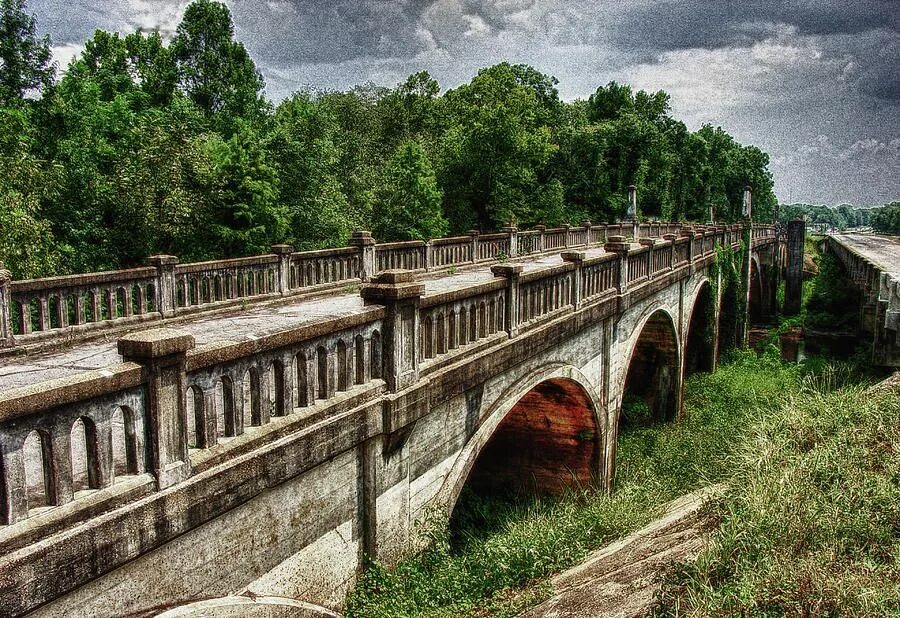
{"points": [[299, 540]]}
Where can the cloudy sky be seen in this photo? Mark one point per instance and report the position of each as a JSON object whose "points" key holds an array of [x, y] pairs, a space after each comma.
{"points": [[815, 83]]}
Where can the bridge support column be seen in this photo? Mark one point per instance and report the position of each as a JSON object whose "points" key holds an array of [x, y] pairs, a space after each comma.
{"points": [[6, 333], [400, 294], [511, 273], [793, 284], [165, 283], [746, 259], [284, 267], [162, 354], [363, 241]]}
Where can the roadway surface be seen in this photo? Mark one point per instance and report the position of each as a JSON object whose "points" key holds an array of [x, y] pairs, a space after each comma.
{"points": [[238, 325], [884, 251]]}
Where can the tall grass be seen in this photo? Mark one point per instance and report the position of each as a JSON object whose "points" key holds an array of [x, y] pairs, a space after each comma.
{"points": [[811, 524], [501, 562]]}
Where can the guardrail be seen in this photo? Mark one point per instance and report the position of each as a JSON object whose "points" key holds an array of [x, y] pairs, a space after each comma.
{"points": [[56, 308]]}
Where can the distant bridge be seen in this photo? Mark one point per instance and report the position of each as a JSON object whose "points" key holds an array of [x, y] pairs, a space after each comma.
{"points": [[275, 426], [872, 264]]}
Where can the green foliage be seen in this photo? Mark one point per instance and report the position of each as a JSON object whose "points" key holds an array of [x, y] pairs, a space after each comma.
{"points": [[408, 204], [172, 146], [809, 526], [887, 218], [833, 217], [831, 304], [25, 61], [498, 558]]}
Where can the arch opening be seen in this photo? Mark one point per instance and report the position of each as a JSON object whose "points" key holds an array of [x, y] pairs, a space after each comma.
{"points": [[728, 317], [699, 352], [548, 443], [755, 312], [652, 382]]}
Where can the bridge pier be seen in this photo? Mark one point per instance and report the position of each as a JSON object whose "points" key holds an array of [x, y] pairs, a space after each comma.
{"points": [[793, 288]]}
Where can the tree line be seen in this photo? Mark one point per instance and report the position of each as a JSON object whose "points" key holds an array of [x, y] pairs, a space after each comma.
{"points": [[881, 219], [148, 146]]}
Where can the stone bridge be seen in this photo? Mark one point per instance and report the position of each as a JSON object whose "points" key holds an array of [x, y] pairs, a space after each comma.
{"points": [[872, 264], [278, 424]]}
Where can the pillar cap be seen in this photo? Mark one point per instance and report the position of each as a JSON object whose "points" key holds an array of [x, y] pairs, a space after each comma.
{"points": [[506, 270], [509, 229], [647, 242], [155, 343], [617, 244], [361, 238], [670, 236], [573, 256], [282, 249], [161, 260], [473, 232], [393, 285], [540, 227]]}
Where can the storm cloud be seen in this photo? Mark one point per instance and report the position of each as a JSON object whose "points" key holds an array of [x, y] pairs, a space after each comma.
{"points": [[815, 83]]}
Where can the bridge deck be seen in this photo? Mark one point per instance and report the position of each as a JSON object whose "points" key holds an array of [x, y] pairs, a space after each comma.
{"points": [[883, 251], [18, 371]]}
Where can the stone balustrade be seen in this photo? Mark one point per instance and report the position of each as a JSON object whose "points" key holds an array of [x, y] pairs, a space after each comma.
{"points": [[49, 309]]}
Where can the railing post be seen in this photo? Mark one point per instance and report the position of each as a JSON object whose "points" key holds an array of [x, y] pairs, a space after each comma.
{"points": [[511, 272], [400, 294], [429, 255], [473, 235], [566, 234], [362, 240], [284, 267], [576, 258], [671, 238], [586, 224], [620, 246], [513, 233], [688, 232], [163, 353], [540, 238], [6, 331], [165, 283]]}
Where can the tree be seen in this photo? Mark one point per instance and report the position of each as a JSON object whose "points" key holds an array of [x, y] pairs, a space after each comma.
{"points": [[408, 204], [214, 70], [302, 145], [24, 58]]}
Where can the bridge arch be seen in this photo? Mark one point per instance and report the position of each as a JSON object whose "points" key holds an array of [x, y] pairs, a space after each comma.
{"points": [[653, 369], [755, 305], [565, 450], [700, 342]]}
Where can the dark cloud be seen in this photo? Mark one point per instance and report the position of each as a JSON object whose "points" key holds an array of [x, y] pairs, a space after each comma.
{"points": [[813, 82]]}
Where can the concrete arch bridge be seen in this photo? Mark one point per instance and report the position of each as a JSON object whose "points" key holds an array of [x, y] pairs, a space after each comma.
{"points": [[258, 452]]}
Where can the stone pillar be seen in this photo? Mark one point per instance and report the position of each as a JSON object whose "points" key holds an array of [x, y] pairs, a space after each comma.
{"points": [[162, 353], [566, 234], [746, 261], [747, 204], [284, 267], [513, 233], [586, 224], [429, 255], [671, 239], [712, 214], [688, 232], [540, 238], [511, 272], [620, 246], [400, 294], [165, 283], [363, 241], [793, 284], [576, 258], [632, 215], [473, 235], [6, 329]]}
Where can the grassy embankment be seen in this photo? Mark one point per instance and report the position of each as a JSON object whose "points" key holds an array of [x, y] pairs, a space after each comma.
{"points": [[496, 564]]}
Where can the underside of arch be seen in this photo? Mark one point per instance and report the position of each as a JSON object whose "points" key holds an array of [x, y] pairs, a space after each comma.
{"points": [[653, 375], [548, 442]]}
